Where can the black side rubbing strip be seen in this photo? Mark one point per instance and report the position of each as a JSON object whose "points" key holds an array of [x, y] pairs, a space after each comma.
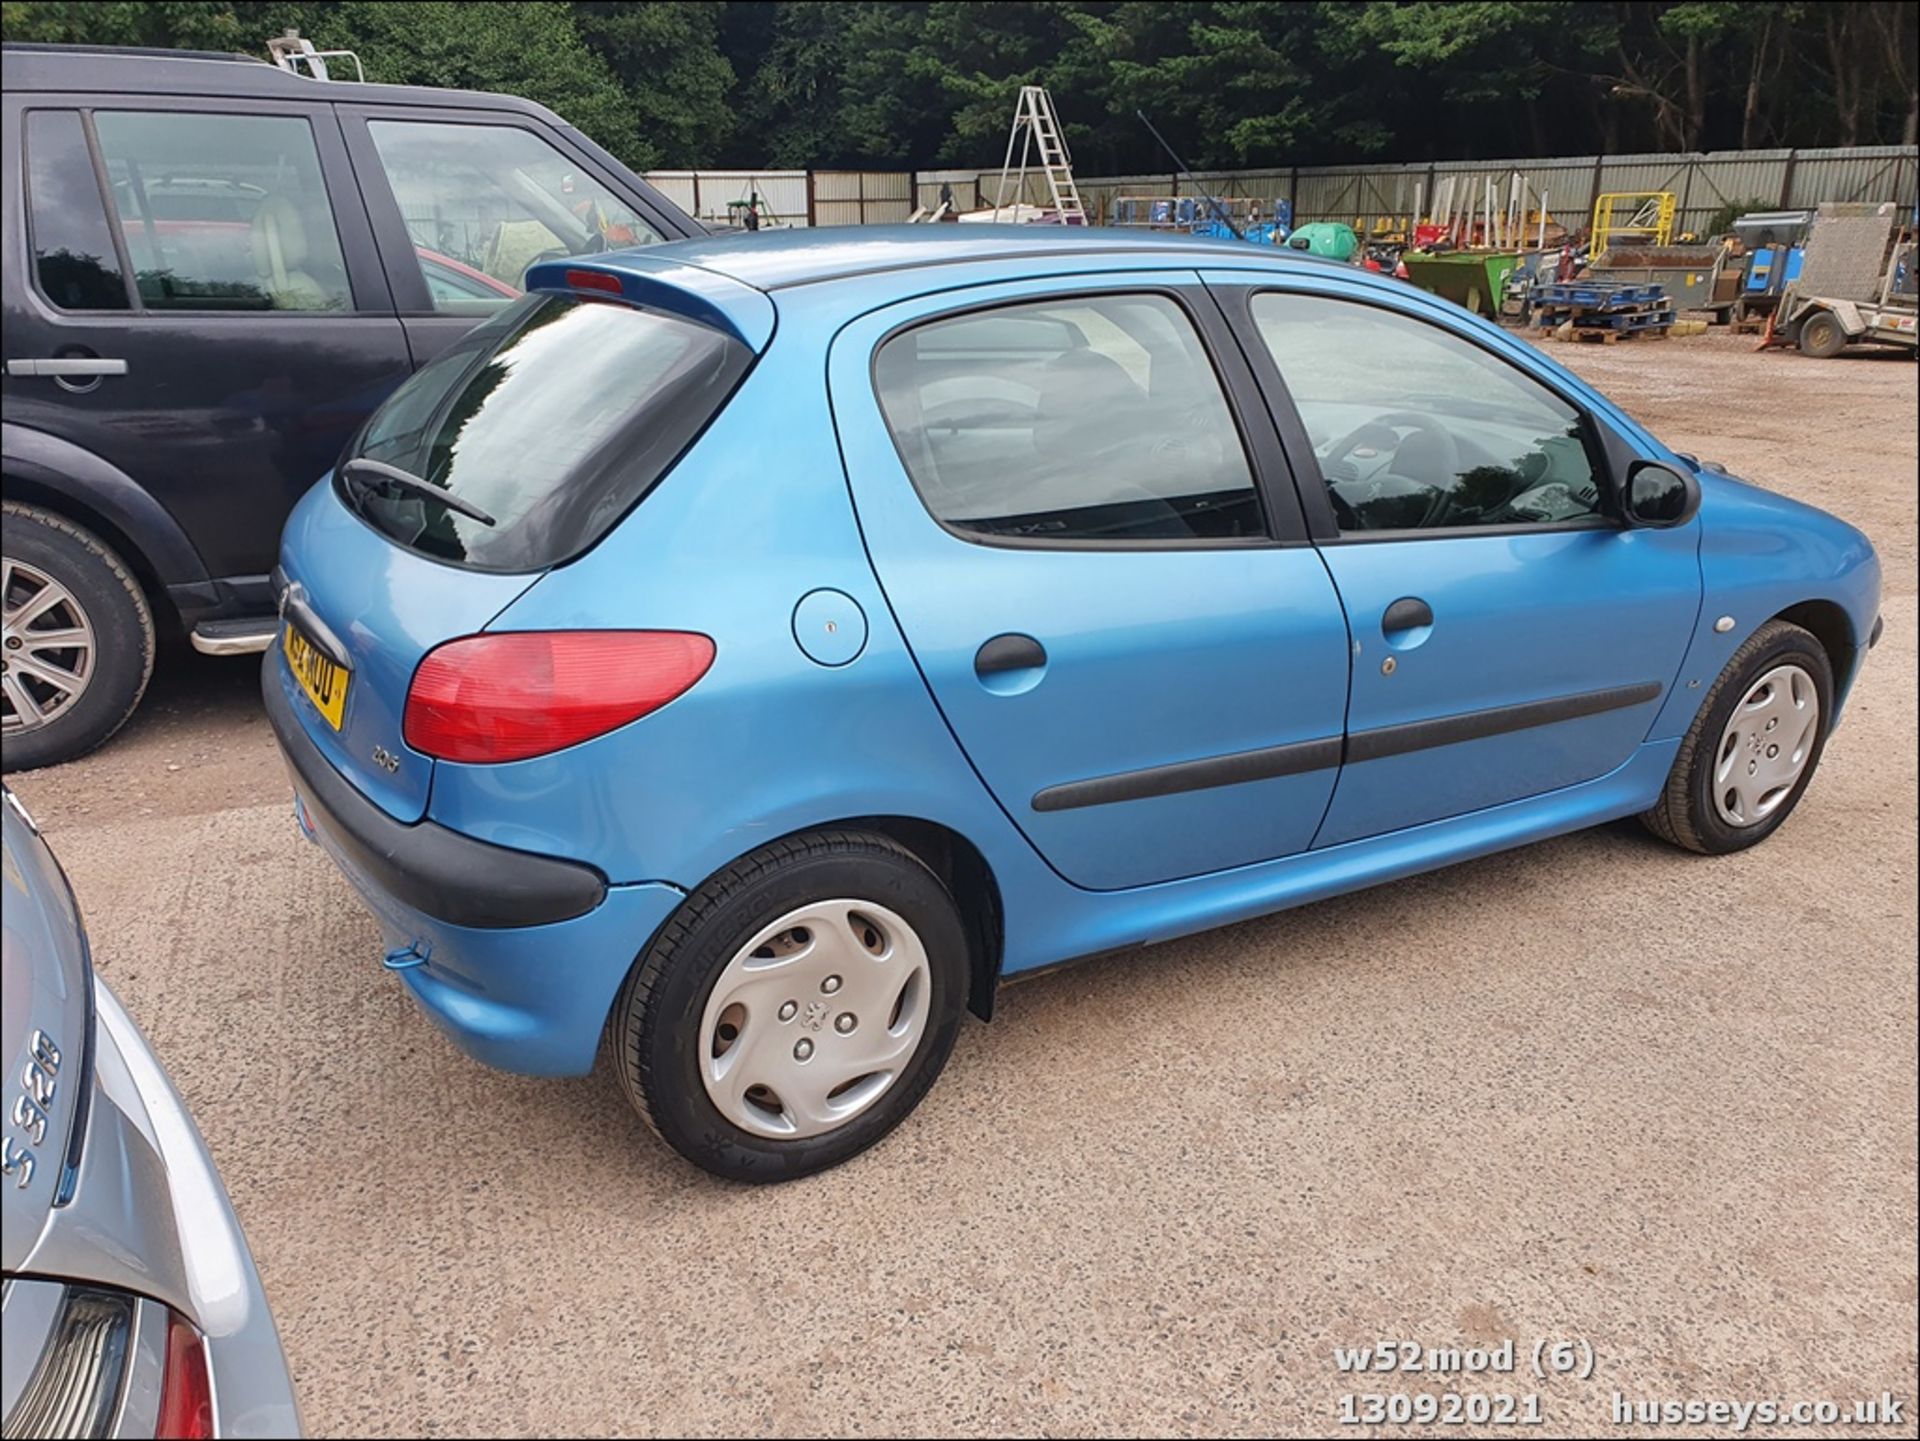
{"points": [[1228, 770], [1373, 745], [1370, 745]]}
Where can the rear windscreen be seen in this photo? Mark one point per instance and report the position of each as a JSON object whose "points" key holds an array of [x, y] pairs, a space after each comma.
{"points": [[543, 427]]}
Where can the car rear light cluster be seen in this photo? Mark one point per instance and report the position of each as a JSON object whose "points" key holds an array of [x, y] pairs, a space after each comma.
{"points": [[518, 694], [80, 1383], [75, 1390], [186, 1386]]}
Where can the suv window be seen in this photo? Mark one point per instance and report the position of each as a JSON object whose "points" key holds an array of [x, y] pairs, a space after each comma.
{"points": [[483, 202], [73, 255], [1094, 418], [551, 421], [1417, 428], [223, 212]]}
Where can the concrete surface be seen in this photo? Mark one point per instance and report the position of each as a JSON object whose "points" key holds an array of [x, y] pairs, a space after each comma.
{"points": [[1596, 1090]]}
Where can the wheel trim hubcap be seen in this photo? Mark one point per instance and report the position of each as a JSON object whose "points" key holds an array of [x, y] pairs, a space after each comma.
{"points": [[46, 648], [815, 1018], [1766, 745]]}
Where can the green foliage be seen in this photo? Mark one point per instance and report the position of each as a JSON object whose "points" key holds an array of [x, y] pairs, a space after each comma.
{"points": [[530, 48], [925, 83], [666, 57]]}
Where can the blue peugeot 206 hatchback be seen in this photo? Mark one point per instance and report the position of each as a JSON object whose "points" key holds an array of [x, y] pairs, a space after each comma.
{"points": [[753, 651]]}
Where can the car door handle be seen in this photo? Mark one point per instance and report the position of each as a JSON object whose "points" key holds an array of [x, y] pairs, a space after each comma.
{"points": [[1407, 613], [1011, 651], [67, 366]]}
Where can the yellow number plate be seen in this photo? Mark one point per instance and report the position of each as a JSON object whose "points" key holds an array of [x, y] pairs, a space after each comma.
{"points": [[324, 682]]}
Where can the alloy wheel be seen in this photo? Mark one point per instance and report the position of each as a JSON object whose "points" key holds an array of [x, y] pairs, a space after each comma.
{"points": [[47, 648]]}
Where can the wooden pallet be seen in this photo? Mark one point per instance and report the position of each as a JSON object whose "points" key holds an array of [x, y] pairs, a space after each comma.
{"points": [[1630, 317], [1607, 334]]}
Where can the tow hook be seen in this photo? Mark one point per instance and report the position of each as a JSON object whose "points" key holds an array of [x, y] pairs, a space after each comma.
{"points": [[405, 958]]}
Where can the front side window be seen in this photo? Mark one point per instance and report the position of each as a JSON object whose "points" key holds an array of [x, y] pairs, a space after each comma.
{"points": [[73, 255], [223, 212], [1093, 418], [1416, 428], [483, 202]]}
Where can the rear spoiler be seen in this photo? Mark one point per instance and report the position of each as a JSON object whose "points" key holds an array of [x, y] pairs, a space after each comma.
{"points": [[705, 297]]}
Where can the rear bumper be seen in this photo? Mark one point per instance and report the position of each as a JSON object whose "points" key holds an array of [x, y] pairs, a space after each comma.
{"points": [[430, 869], [516, 957], [149, 1216], [252, 1392]]}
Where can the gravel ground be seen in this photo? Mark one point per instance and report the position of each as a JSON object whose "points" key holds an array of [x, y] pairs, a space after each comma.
{"points": [[1594, 1090]]}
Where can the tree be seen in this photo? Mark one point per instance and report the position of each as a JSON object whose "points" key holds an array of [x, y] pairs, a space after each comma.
{"points": [[531, 48], [667, 59], [924, 83], [791, 105]]}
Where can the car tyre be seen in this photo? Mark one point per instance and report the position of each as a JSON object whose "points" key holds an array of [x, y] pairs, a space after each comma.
{"points": [[1687, 814], [108, 601], [1822, 336], [660, 1024]]}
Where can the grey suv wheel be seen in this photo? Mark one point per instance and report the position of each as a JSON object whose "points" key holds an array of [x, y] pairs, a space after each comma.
{"points": [[77, 647]]}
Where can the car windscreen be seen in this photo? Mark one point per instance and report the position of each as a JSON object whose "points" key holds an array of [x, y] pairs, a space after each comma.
{"points": [[523, 444]]}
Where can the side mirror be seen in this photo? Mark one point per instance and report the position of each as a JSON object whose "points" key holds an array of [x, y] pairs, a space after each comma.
{"points": [[1659, 497]]}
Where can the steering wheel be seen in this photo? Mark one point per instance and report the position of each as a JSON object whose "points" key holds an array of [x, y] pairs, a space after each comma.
{"points": [[1389, 481]]}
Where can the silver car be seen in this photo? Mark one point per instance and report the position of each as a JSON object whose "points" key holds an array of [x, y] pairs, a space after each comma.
{"points": [[131, 1304]]}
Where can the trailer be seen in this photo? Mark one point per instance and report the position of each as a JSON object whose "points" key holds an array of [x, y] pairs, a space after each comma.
{"points": [[1856, 284]]}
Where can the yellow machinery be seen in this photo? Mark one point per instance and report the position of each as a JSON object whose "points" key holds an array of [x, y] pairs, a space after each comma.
{"points": [[1643, 217]]}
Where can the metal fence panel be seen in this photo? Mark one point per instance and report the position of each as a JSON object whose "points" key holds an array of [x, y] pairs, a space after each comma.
{"points": [[1750, 179], [1379, 194], [861, 197], [831, 185], [964, 184], [1627, 174], [1872, 172], [705, 194], [676, 185], [836, 212]]}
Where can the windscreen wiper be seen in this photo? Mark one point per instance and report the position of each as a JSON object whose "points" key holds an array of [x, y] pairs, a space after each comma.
{"points": [[407, 480]]}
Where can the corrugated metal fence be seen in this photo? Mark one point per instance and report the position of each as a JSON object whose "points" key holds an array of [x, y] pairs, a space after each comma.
{"points": [[792, 197], [1372, 194]]}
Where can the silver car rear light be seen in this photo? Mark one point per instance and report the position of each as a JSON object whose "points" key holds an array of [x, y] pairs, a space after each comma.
{"points": [[77, 1388]]}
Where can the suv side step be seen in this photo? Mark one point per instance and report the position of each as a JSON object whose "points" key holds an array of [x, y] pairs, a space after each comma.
{"points": [[235, 637]]}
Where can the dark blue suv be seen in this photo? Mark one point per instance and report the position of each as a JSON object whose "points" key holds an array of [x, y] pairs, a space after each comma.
{"points": [[214, 271]]}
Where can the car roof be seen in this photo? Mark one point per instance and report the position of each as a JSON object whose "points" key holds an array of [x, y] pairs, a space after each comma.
{"points": [[777, 259], [121, 70]]}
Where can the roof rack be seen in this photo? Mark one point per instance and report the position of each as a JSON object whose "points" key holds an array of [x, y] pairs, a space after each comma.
{"points": [[147, 52], [291, 53]]}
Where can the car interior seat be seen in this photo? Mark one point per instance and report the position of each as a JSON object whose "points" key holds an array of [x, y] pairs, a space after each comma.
{"points": [[280, 251], [1086, 403]]}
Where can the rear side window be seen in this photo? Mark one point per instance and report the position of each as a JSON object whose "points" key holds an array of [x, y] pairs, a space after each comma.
{"points": [[223, 212], [484, 202], [543, 427], [73, 254], [1094, 418]]}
